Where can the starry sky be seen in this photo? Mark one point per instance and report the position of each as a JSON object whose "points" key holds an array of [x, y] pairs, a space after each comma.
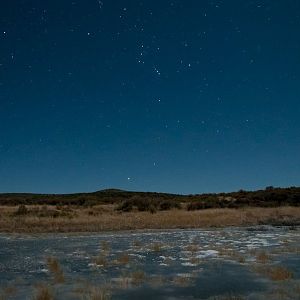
{"points": [[181, 96]]}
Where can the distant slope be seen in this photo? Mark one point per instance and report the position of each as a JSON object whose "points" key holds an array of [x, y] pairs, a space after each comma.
{"points": [[269, 197], [108, 196]]}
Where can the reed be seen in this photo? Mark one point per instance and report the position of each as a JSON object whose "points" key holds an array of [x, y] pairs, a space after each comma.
{"points": [[80, 219], [43, 292], [56, 270]]}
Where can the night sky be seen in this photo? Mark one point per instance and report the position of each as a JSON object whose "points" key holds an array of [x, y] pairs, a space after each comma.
{"points": [[174, 96]]}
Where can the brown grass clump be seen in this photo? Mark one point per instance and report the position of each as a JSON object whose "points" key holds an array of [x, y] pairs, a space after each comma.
{"points": [[156, 247], [262, 257], [101, 260], [98, 293], [43, 292], [138, 277], [280, 273], [192, 248], [277, 273], [105, 246], [123, 259], [241, 259], [56, 270]]}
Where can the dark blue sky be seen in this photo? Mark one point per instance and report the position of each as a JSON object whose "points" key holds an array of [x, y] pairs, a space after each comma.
{"points": [[175, 96]]}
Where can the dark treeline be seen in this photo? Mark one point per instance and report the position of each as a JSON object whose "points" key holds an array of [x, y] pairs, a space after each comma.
{"points": [[126, 201]]}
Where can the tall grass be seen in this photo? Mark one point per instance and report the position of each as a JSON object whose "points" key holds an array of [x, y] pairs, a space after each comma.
{"points": [[98, 293], [56, 270], [43, 292], [82, 221]]}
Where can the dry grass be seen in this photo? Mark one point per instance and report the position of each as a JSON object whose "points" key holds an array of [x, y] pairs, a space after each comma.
{"points": [[101, 260], [43, 292], [84, 290], [105, 247], [182, 280], [241, 259], [56, 270], [138, 277], [192, 248], [124, 280], [98, 293], [277, 273], [83, 221], [156, 247], [123, 259], [280, 273], [263, 257]]}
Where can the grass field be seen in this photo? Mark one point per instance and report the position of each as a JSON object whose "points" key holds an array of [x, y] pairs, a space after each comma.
{"points": [[38, 219]]}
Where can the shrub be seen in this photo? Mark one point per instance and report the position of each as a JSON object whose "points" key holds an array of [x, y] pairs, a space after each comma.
{"points": [[167, 205], [125, 206], [152, 209], [147, 204], [22, 210]]}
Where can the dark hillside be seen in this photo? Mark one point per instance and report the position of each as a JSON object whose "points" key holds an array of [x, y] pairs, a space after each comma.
{"points": [[269, 197]]}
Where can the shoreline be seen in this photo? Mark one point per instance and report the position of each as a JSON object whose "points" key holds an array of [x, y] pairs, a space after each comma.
{"points": [[262, 227]]}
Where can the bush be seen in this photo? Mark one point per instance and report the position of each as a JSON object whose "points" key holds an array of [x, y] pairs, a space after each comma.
{"points": [[202, 205], [125, 206], [147, 204], [152, 209], [167, 205], [22, 210]]}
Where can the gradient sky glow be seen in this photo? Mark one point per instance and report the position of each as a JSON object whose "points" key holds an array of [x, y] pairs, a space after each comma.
{"points": [[172, 96]]}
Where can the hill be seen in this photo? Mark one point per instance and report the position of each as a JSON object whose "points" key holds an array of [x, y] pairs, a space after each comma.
{"points": [[269, 197]]}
